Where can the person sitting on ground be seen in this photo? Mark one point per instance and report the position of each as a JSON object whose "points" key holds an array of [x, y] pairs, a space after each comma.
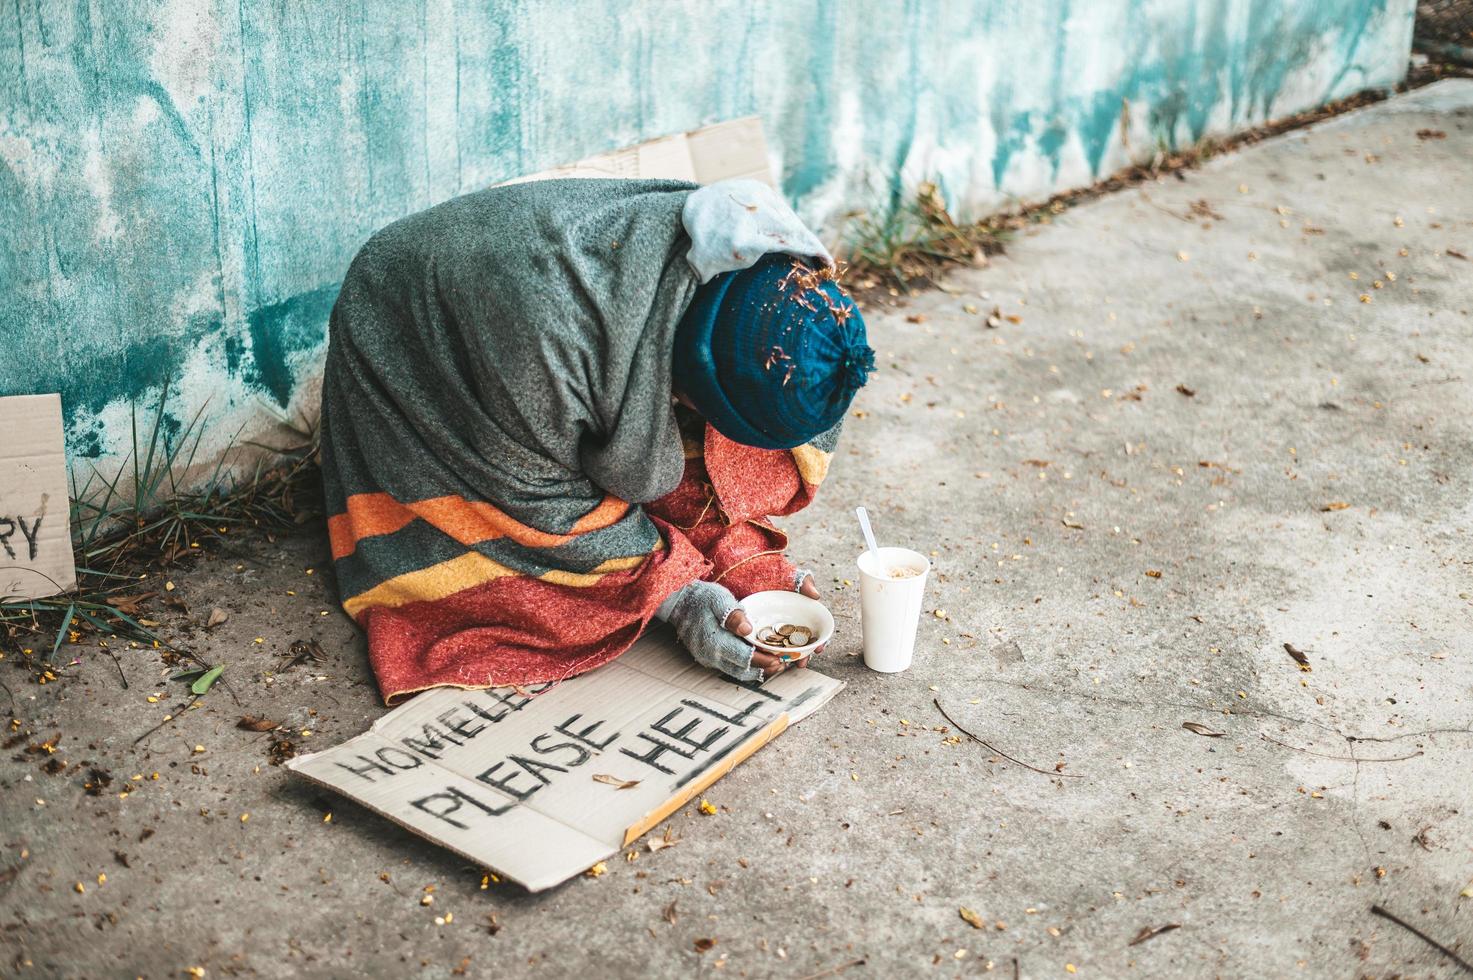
{"points": [[557, 410]]}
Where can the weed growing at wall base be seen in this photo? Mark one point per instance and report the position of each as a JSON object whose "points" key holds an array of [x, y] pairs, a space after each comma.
{"points": [[915, 241], [919, 240], [159, 511]]}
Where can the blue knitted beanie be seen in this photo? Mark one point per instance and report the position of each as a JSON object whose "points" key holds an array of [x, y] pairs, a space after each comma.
{"points": [[772, 355]]}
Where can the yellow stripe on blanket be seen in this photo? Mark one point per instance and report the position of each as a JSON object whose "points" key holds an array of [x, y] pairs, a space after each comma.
{"points": [[467, 571], [428, 584], [584, 579], [812, 463]]}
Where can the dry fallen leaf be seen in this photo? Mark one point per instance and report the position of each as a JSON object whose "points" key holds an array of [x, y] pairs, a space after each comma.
{"points": [[303, 651], [660, 843], [129, 604], [255, 723], [671, 914], [1192, 726], [1149, 932], [1298, 655], [1335, 505], [608, 780], [1183, 389], [704, 944], [971, 918], [708, 808], [217, 616], [1153, 573], [1072, 524]]}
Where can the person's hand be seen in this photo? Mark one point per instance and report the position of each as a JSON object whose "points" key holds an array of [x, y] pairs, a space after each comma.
{"points": [[714, 630], [771, 664], [805, 584]]}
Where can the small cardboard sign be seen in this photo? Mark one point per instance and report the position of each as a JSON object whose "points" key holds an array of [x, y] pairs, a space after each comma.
{"points": [[737, 148], [35, 535], [540, 785]]}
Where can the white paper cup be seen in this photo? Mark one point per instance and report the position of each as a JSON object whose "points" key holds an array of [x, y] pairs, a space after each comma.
{"points": [[890, 608]]}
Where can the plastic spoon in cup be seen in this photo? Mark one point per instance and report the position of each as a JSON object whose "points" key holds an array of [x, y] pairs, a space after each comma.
{"points": [[869, 534]]}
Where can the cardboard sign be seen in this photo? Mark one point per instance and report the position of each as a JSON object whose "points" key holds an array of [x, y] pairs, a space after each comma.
{"points": [[730, 149], [541, 786], [35, 535]]}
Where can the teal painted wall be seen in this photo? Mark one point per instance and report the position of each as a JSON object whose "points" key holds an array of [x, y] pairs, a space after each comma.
{"points": [[183, 182]]}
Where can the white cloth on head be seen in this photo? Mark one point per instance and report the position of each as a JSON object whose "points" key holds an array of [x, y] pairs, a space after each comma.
{"points": [[733, 223]]}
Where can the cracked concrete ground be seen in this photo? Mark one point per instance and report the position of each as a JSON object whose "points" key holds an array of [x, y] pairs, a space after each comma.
{"points": [[1234, 411]]}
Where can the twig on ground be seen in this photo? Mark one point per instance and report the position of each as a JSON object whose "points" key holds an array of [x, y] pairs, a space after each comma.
{"points": [[171, 717], [995, 749], [833, 970], [118, 664], [1338, 758], [1467, 967], [1059, 692], [1151, 932]]}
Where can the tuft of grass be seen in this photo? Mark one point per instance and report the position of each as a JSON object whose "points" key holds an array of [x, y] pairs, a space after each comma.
{"points": [[914, 242], [157, 512], [917, 242]]}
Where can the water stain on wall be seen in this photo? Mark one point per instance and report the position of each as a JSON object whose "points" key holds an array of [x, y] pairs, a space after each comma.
{"points": [[182, 187]]}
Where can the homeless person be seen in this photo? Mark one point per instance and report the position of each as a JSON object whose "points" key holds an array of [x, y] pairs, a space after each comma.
{"points": [[557, 410]]}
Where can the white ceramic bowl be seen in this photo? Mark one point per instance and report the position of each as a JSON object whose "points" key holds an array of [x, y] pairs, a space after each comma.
{"points": [[765, 609]]}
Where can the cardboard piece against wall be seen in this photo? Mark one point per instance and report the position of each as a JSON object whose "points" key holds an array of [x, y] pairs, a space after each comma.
{"points": [[35, 535], [737, 148], [540, 788]]}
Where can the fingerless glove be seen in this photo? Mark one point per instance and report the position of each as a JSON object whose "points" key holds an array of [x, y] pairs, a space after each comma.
{"points": [[699, 612]]}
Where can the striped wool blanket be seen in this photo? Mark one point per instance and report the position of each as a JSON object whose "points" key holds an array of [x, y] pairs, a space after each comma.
{"points": [[511, 494]]}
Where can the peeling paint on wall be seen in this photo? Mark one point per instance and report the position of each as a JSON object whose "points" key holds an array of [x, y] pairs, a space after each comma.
{"points": [[183, 182]]}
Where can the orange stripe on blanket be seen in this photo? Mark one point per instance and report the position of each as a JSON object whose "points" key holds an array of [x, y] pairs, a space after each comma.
{"points": [[467, 521], [467, 571], [368, 515]]}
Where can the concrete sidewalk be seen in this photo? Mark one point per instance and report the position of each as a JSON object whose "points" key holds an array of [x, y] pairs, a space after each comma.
{"points": [[1219, 414]]}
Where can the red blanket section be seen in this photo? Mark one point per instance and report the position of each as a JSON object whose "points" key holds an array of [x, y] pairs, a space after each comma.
{"points": [[522, 631]]}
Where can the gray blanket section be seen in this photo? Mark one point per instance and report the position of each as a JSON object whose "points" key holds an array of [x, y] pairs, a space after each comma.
{"points": [[513, 346]]}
